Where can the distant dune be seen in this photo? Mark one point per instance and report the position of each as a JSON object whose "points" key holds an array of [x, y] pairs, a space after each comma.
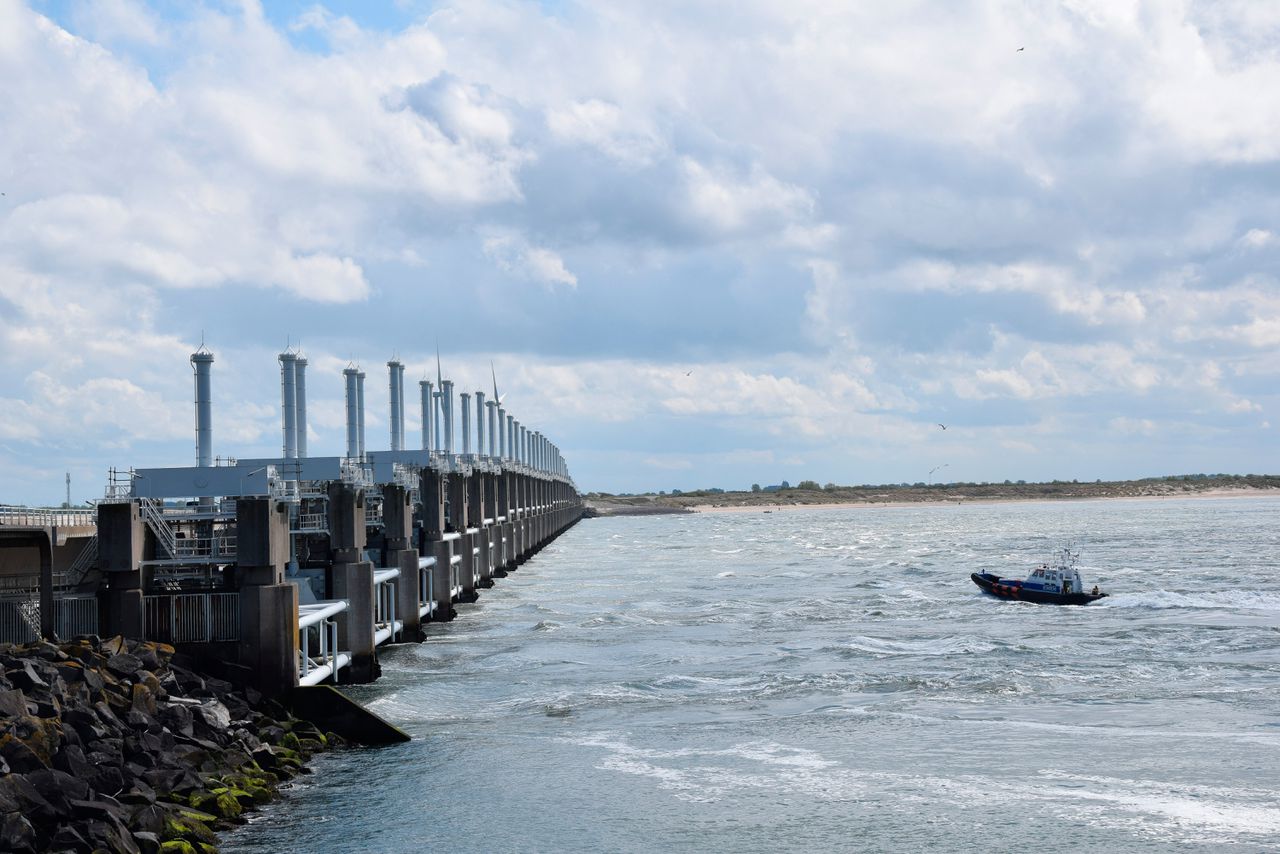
{"points": [[601, 504]]}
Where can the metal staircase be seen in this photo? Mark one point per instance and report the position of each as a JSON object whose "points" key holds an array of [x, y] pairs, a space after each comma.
{"points": [[85, 561], [153, 516]]}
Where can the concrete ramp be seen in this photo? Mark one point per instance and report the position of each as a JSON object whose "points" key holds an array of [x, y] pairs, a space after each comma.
{"points": [[333, 711]]}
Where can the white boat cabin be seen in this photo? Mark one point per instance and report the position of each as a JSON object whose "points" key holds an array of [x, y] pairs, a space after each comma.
{"points": [[1055, 579]]}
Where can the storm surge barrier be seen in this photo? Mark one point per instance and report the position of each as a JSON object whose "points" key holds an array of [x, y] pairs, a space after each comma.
{"points": [[294, 570]]}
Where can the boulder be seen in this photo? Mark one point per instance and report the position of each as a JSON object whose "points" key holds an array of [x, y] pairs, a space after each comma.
{"points": [[20, 758], [72, 760], [16, 834], [123, 664], [13, 703]]}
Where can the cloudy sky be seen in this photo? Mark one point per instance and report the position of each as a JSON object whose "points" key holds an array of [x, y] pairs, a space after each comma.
{"points": [[703, 244]]}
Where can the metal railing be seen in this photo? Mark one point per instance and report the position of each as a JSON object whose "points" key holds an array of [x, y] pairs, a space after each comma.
{"points": [[75, 615], [19, 620], [426, 583], [385, 624], [46, 517], [404, 475], [355, 473], [311, 523], [205, 548], [320, 618], [153, 515], [85, 561], [455, 564], [191, 617]]}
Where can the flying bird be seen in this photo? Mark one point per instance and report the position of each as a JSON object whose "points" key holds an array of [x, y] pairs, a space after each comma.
{"points": [[1020, 50], [688, 373], [943, 426]]}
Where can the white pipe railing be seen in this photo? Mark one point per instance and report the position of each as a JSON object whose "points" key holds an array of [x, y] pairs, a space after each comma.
{"points": [[426, 582], [328, 660], [386, 626]]}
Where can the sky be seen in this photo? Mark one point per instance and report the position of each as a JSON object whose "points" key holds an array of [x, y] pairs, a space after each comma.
{"points": [[703, 244]]}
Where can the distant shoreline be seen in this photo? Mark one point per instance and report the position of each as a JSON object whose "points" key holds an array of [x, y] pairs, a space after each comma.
{"points": [[1207, 494], [899, 496]]}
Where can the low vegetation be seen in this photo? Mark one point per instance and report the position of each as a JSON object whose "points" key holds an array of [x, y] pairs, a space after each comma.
{"points": [[809, 492]]}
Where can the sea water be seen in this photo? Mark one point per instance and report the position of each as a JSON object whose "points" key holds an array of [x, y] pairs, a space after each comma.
{"points": [[831, 680]]}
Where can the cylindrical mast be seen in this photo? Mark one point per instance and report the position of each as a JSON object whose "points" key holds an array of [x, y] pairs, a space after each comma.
{"points": [[352, 378], [425, 388], [289, 404], [493, 429], [300, 372], [437, 401], [395, 371], [360, 412], [201, 362], [446, 399], [479, 424], [465, 400]]}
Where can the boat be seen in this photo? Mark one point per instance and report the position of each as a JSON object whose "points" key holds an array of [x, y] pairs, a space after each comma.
{"points": [[1058, 583]]}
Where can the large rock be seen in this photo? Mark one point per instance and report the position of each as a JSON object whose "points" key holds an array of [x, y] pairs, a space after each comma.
{"points": [[16, 834], [13, 703], [124, 664]]}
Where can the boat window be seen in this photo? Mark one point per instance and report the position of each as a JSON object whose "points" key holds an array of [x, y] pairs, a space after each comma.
{"points": [[1039, 573]]}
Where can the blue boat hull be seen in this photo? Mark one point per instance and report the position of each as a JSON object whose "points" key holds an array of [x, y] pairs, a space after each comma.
{"points": [[1008, 588]]}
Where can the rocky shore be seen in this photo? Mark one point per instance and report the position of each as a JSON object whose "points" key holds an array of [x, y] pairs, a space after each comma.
{"points": [[121, 746]]}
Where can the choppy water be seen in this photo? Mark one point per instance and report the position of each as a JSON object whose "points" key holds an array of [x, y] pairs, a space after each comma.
{"points": [[832, 680]]}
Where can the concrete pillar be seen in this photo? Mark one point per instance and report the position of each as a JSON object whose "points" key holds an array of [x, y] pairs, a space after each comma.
{"points": [[122, 538], [431, 493], [456, 488], [346, 521], [400, 552], [408, 593], [269, 636], [268, 648], [262, 541], [353, 581], [467, 547], [351, 578], [442, 579]]}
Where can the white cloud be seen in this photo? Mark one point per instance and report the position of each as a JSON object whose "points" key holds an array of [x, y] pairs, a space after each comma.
{"points": [[1257, 238], [119, 21], [729, 204], [513, 254], [607, 127], [958, 226]]}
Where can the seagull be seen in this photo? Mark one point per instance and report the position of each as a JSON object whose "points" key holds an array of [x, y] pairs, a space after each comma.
{"points": [[943, 426], [1020, 50], [688, 373]]}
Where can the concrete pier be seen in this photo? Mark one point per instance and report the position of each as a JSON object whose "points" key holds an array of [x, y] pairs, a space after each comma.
{"points": [[292, 571]]}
